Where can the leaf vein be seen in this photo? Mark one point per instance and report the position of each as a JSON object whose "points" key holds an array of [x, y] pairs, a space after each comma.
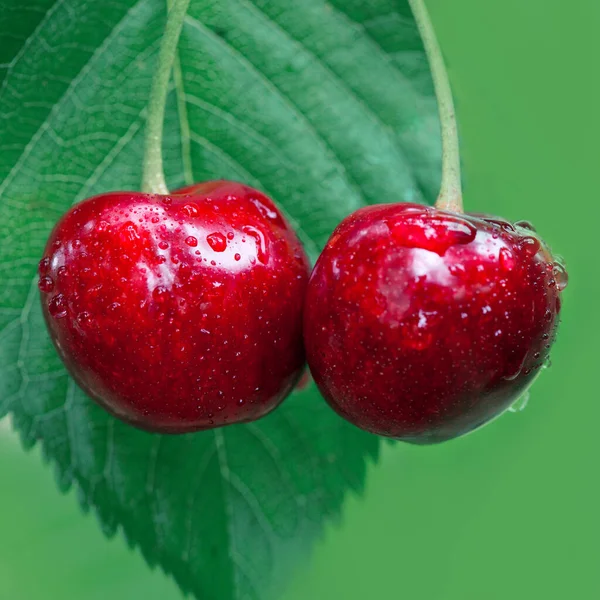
{"points": [[244, 61], [45, 125]]}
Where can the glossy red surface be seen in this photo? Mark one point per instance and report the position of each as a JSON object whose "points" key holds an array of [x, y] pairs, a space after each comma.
{"points": [[178, 313], [422, 325]]}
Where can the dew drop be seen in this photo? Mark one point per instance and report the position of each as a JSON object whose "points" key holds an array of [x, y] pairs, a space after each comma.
{"points": [[503, 223], [457, 270], [525, 225], [217, 241], [103, 227], [57, 307], [191, 210], [230, 235], [265, 211], [560, 275], [155, 220], [163, 245], [85, 319], [530, 245], [507, 260], [46, 284], [237, 257], [129, 232], [191, 241], [515, 370], [160, 293], [520, 404], [44, 265], [434, 233], [259, 239]]}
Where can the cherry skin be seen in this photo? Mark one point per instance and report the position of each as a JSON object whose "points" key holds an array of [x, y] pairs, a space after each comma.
{"points": [[178, 313], [422, 324]]}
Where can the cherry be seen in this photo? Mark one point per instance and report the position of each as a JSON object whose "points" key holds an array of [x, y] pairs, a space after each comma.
{"points": [[178, 312], [422, 324]]}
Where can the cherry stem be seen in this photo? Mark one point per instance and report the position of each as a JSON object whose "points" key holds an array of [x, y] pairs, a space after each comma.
{"points": [[450, 196], [153, 179]]}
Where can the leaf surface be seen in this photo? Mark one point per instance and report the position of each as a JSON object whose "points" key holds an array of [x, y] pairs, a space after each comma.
{"points": [[326, 106]]}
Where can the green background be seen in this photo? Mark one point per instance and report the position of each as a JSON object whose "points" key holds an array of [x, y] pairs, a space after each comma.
{"points": [[508, 512]]}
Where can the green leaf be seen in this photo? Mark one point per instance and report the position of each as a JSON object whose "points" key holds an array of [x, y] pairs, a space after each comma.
{"points": [[325, 105], [52, 539]]}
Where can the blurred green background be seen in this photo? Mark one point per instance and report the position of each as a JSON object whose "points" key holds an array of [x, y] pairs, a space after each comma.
{"points": [[511, 511]]}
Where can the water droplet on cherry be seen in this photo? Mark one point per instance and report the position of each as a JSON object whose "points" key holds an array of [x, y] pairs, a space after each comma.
{"points": [[160, 293], [217, 241], [560, 275], [57, 306], [507, 260], [503, 223], [261, 250], [525, 225], [520, 404], [46, 284], [114, 307], [530, 245], [129, 232], [191, 210], [85, 319], [44, 265], [437, 233]]}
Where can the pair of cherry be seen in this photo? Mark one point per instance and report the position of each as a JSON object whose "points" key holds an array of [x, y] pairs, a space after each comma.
{"points": [[194, 310]]}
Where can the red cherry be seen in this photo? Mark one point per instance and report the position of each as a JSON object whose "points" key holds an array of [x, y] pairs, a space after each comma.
{"points": [[178, 313], [422, 324]]}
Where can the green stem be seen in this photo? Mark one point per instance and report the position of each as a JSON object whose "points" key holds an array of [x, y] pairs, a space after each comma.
{"points": [[153, 179], [450, 196]]}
